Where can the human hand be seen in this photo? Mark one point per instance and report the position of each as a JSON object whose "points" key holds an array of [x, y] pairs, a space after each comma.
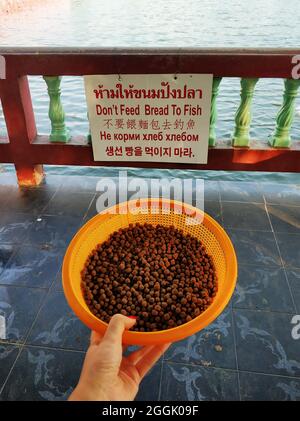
{"points": [[107, 375]]}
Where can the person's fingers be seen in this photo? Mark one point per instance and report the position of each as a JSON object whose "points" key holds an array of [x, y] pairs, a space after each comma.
{"points": [[96, 338], [116, 327], [135, 356], [150, 358]]}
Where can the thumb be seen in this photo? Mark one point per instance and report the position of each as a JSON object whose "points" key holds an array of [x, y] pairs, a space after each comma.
{"points": [[116, 327], [96, 338]]}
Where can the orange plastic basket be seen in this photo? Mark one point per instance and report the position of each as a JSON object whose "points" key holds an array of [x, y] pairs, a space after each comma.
{"points": [[154, 211]]}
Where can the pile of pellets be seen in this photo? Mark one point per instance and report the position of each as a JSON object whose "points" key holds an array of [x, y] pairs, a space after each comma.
{"points": [[158, 274]]}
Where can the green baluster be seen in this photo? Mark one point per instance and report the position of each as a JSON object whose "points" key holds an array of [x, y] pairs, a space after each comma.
{"points": [[281, 137], [213, 111], [59, 132], [241, 136]]}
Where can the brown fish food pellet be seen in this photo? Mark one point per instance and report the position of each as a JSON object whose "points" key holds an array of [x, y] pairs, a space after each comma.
{"points": [[159, 274]]}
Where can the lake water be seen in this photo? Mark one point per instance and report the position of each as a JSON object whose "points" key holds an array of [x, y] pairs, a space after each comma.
{"points": [[161, 23]]}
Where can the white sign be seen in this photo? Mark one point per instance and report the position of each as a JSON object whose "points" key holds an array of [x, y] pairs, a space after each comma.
{"points": [[157, 118]]}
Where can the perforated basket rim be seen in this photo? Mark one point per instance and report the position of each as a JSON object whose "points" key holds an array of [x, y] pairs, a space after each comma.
{"points": [[178, 332]]}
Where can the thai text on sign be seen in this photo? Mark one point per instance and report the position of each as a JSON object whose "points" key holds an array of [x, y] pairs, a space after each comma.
{"points": [[158, 118]]}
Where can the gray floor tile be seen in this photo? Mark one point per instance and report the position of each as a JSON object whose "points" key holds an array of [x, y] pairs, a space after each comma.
{"points": [[285, 218], [79, 184], [43, 374], [92, 210], [69, 204], [281, 194], [5, 192], [57, 285], [261, 387], [19, 307], [95, 207], [193, 383], [56, 231], [14, 227], [57, 326], [8, 355], [213, 346], [233, 191], [6, 252], [51, 182], [200, 368], [294, 281], [289, 246], [247, 216], [213, 209], [262, 288], [265, 344], [32, 266], [211, 190], [150, 386], [28, 200], [255, 247]]}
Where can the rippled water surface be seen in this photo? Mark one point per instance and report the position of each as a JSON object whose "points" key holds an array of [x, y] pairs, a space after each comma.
{"points": [[173, 23]]}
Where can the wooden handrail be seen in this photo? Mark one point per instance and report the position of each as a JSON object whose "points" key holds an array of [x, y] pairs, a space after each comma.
{"points": [[248, 63], [28, 151]]}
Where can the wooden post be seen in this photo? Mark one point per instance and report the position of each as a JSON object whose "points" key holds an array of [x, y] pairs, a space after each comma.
{"points": [[213, 111], [59, 132], [281, 137], [21, 128], [241, 136]]}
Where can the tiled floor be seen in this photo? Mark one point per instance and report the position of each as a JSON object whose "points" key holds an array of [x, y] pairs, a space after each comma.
{"points": [[248, 353]]}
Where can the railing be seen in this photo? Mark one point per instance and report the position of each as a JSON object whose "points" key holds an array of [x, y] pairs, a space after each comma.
{"points": [[28, 150]]}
